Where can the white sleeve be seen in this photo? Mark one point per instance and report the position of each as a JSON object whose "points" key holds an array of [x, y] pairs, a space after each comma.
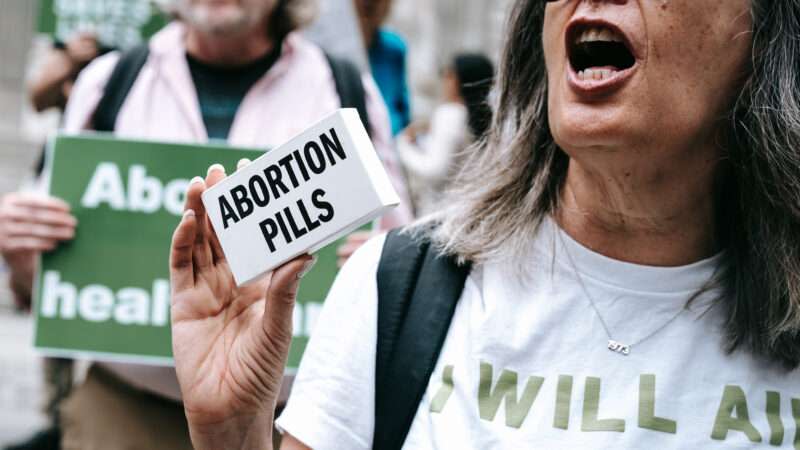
{"points": [[432, 160], [331, 406]]}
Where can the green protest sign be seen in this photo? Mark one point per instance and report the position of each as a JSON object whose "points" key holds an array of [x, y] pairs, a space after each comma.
{"points": [[117, 23], [105, 294]]}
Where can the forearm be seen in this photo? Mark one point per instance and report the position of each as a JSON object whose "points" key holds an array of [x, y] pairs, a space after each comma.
{"points": [[21, 280], [47, 90], [248, 433]]}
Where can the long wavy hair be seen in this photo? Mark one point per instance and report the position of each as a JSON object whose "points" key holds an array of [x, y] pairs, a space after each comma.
{"points": [[513, 182]]}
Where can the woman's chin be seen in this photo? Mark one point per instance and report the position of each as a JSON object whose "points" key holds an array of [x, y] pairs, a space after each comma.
{"points": [[583, 129]]}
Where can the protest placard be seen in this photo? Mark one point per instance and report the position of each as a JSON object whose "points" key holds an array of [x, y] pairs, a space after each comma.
{"points": [[116, 23], [105, 294]]}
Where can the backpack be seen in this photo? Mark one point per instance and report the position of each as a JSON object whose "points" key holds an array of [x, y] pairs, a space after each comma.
{"points": [[346, 76], [418, 290]]}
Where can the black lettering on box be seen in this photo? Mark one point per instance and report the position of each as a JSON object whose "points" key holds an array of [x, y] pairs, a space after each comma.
{"points": [[274, 178], [317, 201], [285, 162], [244, 206], [318, 166], [270, 232], [227, 212], [301, 165], [258, 189], [333, 146]]}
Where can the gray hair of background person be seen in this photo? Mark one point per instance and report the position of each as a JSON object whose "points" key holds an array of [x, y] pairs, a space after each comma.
{"points": [[288, 16], [503, 193], [291, 15]]}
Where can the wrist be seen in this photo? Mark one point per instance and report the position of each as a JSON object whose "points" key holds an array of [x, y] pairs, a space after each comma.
{"points": [[240, 433], [20, 279]]}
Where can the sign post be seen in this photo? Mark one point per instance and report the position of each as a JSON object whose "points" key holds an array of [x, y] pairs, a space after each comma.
{"points": [[105, 294]]}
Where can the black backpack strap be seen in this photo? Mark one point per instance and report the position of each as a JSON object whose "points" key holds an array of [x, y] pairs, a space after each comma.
{"points": [[350, 87], [119, 84], [417, 295]]}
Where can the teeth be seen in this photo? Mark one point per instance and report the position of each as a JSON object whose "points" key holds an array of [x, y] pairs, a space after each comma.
{"points": [[596, 34], [596, 74]]}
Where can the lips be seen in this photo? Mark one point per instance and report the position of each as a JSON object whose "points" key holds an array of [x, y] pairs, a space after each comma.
{"points": [[601, 57]]}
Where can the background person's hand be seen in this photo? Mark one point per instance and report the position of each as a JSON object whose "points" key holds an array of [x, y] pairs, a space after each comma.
{"points": [[31, 223], [81, 49], [230, 343]]}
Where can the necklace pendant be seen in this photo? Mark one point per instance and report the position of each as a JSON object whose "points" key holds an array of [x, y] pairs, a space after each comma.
{"points": [[619, 347]]}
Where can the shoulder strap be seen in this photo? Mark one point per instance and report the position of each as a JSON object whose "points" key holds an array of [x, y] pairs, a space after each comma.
{"points": [[417, 295], [119, 84], [350, 87]]}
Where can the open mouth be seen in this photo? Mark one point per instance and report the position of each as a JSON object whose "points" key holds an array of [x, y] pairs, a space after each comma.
{"points": [[598, 52]]}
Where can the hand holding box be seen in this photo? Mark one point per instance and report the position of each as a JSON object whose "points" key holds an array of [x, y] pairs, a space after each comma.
{"points": [[295, 199]]}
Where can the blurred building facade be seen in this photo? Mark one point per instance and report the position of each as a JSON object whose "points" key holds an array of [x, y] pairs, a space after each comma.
{"points": [[437, 30], [17, 18]]}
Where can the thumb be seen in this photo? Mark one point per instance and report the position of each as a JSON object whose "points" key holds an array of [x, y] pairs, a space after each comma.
{"points": [[281, 296]]}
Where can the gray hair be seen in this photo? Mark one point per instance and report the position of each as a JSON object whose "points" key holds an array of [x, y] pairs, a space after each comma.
{"points": [[513, 179], [288, 16], [291, 15]]}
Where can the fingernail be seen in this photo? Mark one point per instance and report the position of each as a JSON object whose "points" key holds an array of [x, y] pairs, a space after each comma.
{"points": [[197, 180], [188, 213], [216, 167], [242, 163], [307, 267]]}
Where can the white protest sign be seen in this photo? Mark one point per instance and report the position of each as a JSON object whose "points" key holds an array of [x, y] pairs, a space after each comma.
{"points": [[297, 198]]}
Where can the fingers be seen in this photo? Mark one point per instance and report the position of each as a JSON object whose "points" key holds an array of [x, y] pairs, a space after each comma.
{"points": [[28, 244], [181, 269], [201, 253], [18, 230], [36, 209], [194, 200], [38, 201], [242, 163], [281, 296], [43, 216], [216, 173], [30, 222]]}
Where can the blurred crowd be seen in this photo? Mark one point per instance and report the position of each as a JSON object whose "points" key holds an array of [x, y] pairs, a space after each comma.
{"points": [[212, 76]]}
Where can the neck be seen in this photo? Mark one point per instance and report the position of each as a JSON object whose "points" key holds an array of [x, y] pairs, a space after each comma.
{"points": [[658, 217], [236, 49]]}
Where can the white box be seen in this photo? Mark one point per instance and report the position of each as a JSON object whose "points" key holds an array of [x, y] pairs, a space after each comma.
{"points": [[321, 185]]}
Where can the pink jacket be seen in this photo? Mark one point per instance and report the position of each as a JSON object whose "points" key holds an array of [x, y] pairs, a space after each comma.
{"points": [[162, 105]]}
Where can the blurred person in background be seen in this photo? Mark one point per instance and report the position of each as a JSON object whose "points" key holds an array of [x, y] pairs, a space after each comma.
{"points": [[386, 51], [232, 70], [432, 153], [618, 268], [51, 88], [53, 84], [387, 59]]}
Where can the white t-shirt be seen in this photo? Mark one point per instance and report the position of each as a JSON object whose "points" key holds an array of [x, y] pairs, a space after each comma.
{"points": [[525, 363]]}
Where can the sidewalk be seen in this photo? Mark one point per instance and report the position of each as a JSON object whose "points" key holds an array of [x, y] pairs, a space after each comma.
{"points": [[20, 374]]}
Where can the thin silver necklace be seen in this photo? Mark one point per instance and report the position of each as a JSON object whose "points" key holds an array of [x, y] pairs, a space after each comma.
{"points": [[613, 344]]}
